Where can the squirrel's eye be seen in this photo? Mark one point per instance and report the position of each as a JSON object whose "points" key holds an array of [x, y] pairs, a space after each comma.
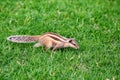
{"points": [[74, 44]]}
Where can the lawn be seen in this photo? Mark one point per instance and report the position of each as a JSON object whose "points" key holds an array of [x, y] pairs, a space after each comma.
{"points": [[95, 25]]}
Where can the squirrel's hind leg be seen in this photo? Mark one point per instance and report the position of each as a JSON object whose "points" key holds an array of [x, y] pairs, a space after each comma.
{"points": [[37, 45]]}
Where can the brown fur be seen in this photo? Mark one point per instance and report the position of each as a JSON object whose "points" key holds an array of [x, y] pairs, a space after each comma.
{"points": [[49, 40]]}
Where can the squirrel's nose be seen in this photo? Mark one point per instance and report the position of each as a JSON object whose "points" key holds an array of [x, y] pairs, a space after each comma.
{"points": [[10, 38], [77, 47]]}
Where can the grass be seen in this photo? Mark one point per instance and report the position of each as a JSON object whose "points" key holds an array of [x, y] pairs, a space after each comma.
{"points": [[94, 24]]}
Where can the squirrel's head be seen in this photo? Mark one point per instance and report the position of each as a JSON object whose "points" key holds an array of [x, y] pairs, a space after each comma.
{"points": [[71, 43]]}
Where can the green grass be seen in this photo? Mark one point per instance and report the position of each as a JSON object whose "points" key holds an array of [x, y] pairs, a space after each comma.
{"points": [[94, 24]]}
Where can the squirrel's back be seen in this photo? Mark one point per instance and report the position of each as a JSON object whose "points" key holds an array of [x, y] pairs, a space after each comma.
{"points": [[22, 39]]}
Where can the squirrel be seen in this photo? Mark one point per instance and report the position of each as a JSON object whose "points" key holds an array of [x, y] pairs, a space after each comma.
{"points": [[49, 40]]}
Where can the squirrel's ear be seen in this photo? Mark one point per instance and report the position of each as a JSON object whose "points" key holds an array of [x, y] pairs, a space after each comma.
{"points": [[70, 40]]}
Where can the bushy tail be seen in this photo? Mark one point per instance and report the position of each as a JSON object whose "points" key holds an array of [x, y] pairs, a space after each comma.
{"points": [[23, 39]]}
